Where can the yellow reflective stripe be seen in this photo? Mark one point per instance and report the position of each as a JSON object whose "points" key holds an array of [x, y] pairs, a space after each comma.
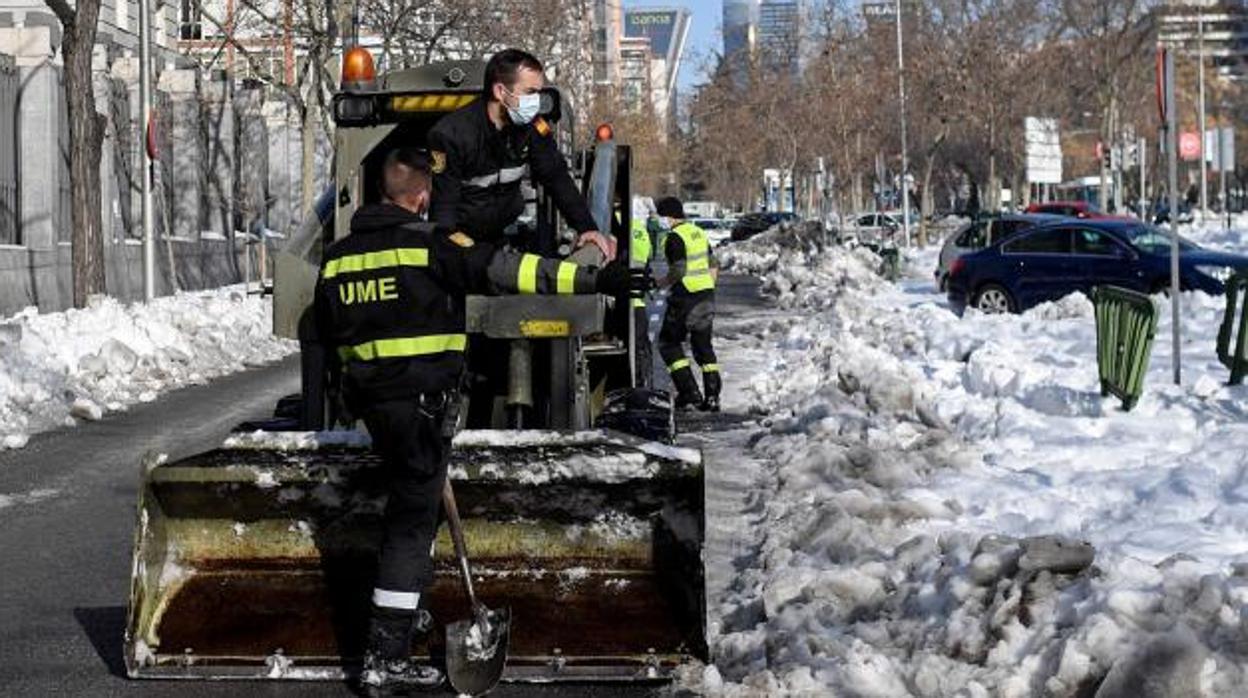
{"points": [[677, 365], [639, 302], [401, 347], [526, 279], [710, 368], [567, 278], [382, 259], [693, 284]]}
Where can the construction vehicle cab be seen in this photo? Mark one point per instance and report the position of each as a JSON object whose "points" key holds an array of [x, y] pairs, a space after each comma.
{"points": [[255, 560]]}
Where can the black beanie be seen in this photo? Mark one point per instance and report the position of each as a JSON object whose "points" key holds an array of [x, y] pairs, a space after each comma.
{"points": [[670, 207]]}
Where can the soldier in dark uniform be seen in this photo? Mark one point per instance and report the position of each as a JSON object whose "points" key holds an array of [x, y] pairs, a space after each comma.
{"points": [[482, 151], [387, 303]]}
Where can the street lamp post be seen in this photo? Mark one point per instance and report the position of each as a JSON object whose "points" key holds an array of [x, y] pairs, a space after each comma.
{"points": [[145, 108], [905, 161], [1204, 165]]}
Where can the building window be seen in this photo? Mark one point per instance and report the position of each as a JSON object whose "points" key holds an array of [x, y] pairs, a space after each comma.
{"points": [[191, 21]]}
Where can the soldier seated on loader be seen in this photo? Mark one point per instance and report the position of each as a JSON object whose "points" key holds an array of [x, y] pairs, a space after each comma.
{"points": [[482, 151], [385, 302]]}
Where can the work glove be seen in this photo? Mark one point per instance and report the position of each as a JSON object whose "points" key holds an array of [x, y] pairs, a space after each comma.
{"points": [[617, 279]]}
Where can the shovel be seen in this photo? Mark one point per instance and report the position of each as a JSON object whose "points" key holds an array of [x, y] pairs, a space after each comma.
{"points": [[476, 649]]}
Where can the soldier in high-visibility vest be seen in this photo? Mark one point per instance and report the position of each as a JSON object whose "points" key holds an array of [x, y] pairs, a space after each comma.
{"points": [[690, 309], [640, 251]]}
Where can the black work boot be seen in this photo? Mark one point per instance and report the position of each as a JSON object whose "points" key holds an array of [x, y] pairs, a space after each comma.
{"points": [[687, 393], [711, 384], [388, 665]]}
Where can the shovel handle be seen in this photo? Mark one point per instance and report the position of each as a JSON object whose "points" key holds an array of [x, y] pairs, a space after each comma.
{"points": [[457, 537]]}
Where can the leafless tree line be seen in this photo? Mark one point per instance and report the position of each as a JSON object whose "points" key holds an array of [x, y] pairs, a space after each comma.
{"points": [[974, 70]]}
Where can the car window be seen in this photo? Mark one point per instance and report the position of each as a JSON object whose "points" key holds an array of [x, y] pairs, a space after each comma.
{"points": [[1153, 240], [1041, 242], [973, 237], [866, 220], [1005, 229], [1095, 242], [963, 237]]}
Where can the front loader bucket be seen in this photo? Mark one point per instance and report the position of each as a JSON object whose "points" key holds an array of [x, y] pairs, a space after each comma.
{"points": [[255, 560]]}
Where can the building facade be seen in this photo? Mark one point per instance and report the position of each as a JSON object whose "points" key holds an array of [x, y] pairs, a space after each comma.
{"points": [[665, 31], [782, 42], [740, 21]]}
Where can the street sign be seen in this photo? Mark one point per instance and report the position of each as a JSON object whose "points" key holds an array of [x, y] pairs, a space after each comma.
{"points": [[1189, 146], [1220, 149], [1043, 150]]}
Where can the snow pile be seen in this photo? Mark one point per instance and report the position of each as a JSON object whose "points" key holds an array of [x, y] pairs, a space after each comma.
{"points": [[955, 511], [794, 269], [56, 368]]}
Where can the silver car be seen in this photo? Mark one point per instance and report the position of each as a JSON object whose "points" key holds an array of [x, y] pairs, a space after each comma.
{"points": [[981, 233]]}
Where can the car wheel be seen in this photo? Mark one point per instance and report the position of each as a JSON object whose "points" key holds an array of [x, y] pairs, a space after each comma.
{"points": [[993, 300]]}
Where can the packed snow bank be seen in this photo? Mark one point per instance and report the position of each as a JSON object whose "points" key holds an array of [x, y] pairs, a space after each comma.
{"points": [[57, 368], [957, 512]]}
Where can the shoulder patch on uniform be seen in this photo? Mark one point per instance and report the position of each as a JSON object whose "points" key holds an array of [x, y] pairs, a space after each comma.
{"points": [[541, 126], [438, 166], [461, 239]]}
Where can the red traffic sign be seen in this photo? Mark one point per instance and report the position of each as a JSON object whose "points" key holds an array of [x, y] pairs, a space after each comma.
{"points": [[1189, 146]]}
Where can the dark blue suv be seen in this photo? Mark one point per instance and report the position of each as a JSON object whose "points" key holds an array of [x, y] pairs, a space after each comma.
{"points": [[1054, 260]]}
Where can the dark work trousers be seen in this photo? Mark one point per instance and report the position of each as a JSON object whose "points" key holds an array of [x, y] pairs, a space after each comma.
{"points": [[691, 315], [410, 437], [641, 348]]}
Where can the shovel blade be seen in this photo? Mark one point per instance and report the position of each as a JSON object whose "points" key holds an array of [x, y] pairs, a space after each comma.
{"points": [[474, 664]]}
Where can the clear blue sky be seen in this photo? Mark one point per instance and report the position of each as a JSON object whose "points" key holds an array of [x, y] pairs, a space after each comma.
{"points": [[705, 19]]}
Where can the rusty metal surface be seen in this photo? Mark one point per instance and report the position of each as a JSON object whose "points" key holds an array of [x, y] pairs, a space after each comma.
{"points": [[247, 560]]}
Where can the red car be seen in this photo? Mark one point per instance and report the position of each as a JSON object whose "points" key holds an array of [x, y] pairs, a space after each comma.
{"points": [[1075, 209]]}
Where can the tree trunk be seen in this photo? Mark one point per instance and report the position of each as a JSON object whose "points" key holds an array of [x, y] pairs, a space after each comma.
{"points": [[307, 160], [86, 136]]}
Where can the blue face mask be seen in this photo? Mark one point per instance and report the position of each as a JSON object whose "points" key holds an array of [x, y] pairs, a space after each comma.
{"points": [[526, 108]]}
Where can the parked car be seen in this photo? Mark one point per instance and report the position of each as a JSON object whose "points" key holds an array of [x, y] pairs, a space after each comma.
{"points": [[1047, 262], [870, 229], [1075, 209], [981, 233], [751, 224], [717, 229]]}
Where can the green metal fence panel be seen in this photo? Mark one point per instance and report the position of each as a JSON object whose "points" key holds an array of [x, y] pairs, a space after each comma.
{"points": [[1126, 323], [1236, 305]]}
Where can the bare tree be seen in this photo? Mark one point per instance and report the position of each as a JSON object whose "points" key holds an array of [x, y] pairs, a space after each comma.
{"points": [[247, 33], [86, 138]]}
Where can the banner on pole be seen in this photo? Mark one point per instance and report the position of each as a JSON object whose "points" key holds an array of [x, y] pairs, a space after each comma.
{"points": [[1220, 149], [1043, 150]]}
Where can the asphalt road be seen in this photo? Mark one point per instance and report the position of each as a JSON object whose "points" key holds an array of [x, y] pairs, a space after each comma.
{"points": [[65, 541]]}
